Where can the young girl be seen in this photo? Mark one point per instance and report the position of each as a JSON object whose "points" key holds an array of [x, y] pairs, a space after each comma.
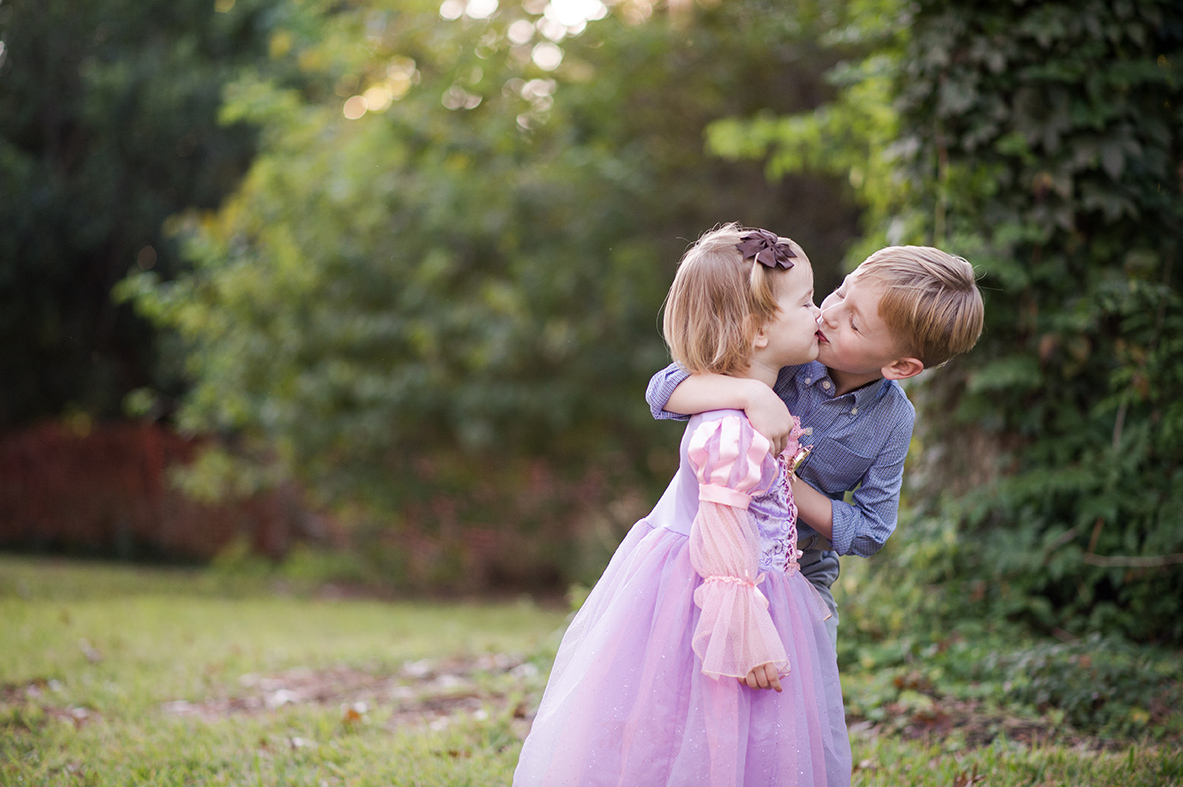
{"points": [[701, 656]]}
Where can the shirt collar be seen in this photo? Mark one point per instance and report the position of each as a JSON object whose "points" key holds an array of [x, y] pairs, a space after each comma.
{"points": [[815, 372]]}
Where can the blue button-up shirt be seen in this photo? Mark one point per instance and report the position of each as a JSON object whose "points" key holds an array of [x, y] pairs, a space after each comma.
{"points": [[860, 441]]}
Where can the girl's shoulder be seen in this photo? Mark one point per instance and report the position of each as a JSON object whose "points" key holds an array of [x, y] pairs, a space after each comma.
{"points": [[724, 450], [727, 427], [726, 431], [716, 415]]}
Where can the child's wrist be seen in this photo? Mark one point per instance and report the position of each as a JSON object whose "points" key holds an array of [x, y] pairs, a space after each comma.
{"points": [[750, 393]]}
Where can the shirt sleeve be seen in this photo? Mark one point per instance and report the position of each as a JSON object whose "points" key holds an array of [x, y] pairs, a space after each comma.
{"points": [[661, 388], [863, 526], [735, 632]]}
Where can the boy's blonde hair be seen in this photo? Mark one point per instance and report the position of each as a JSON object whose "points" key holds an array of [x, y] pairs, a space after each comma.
{"points": [[930, 302], [718, 302]]}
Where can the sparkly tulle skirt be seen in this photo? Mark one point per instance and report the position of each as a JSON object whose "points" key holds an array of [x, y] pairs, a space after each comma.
{"points": [[627, 704]]}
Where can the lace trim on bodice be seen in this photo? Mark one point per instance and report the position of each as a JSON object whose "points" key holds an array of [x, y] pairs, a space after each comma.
{"points": [[775, 514]]}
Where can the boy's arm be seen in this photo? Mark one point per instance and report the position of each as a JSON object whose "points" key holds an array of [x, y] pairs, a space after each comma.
{"points": [[863, 526], [661, 387], [674, 393], [814, 508]]}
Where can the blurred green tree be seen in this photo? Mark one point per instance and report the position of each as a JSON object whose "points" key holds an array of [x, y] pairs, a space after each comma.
{"points": [[1043, 141], [108, 124], [457, 239]]}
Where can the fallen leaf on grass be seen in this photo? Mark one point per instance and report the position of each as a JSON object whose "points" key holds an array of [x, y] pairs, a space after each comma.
{"points": [[963, 779], [352, 713], [75, 715], [280, 698], [93, 654], [417, 669]]}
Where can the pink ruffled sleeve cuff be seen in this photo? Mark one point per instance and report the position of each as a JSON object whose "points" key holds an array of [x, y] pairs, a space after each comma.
{"points": [[735, 632]]}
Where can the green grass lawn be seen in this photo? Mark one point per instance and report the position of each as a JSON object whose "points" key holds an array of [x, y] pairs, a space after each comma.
{"points": [[120, 676]]}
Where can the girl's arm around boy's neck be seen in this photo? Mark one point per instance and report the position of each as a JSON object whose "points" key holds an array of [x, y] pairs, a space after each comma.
{"points": [[699, 393]]}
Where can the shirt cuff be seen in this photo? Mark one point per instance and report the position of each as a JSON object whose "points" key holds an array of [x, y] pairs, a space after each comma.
{"points": [[842, 531], [661, 388]]}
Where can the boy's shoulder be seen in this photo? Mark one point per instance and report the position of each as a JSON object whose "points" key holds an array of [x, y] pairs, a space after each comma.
{"points": [[897, 398], [887, 397], [889, 414]]}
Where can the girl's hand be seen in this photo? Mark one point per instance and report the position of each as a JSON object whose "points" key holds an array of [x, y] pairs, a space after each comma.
{"points": [[763, 677], [769, 416]]}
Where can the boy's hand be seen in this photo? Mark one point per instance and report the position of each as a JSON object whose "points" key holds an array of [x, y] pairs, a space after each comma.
{"points": [[769, 416], [763, 677]]}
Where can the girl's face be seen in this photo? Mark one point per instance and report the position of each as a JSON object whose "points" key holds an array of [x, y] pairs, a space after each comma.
{"points": [[792, 332]]}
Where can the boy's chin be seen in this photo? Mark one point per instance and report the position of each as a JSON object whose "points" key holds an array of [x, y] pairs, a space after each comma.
{"points": [[824, 354]]}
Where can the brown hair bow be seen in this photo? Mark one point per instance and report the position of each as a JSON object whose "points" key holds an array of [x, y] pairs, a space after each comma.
{"points": [[767, 248]]}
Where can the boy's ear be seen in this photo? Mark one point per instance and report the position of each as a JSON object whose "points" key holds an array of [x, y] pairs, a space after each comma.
{"points": [[903, 368]]}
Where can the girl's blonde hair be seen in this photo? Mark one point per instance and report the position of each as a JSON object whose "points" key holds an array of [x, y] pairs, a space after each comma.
{"points": [[718, 302]]}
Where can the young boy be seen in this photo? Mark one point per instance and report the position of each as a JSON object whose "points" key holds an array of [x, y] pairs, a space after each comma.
{"points": [[904, 309]]}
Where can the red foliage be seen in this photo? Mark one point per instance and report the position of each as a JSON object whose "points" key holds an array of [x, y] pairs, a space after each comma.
{"points": [[105, 490]]}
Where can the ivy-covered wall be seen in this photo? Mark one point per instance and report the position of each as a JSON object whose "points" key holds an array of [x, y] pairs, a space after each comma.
{"points": [[1049, 141], [1044, 142]]}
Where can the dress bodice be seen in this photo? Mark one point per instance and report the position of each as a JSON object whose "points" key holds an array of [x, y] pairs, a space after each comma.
{"points": [[772, 509], [775, 515]]}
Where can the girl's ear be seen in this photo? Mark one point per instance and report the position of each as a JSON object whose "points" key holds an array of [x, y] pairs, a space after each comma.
{"points": [[761, 340]]}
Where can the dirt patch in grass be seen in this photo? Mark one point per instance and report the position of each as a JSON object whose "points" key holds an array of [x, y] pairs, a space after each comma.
{"points": [[434, 693], [971, 719], [979, 724], [16, 698], [431, 692]]}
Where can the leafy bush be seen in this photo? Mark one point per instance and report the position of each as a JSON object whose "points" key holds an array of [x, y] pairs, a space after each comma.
{"points": [[916, 635], [446, 265], [1098, 684], [1044, 142], [108, 124]]}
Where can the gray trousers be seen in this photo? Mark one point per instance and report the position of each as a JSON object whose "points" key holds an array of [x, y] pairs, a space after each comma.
{"points": [[820, 567]]}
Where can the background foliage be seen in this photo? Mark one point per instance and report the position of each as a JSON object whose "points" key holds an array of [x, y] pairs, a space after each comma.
{"points": [[410, 308], [433, 296], [1043, 142], [108, 124]]}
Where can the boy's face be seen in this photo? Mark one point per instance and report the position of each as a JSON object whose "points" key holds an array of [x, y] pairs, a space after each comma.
{"points": [[852, 337]]}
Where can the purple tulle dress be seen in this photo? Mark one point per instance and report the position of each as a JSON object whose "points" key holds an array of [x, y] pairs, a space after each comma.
{"points": [[644, 692]]}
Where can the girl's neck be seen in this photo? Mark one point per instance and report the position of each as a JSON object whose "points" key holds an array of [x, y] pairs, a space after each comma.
{"points": [[761, 371]]}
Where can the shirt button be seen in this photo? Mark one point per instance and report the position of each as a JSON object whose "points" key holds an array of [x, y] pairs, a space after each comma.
{"points": [[808, 380], [854, 411], [807, 430], [826, 384]]}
